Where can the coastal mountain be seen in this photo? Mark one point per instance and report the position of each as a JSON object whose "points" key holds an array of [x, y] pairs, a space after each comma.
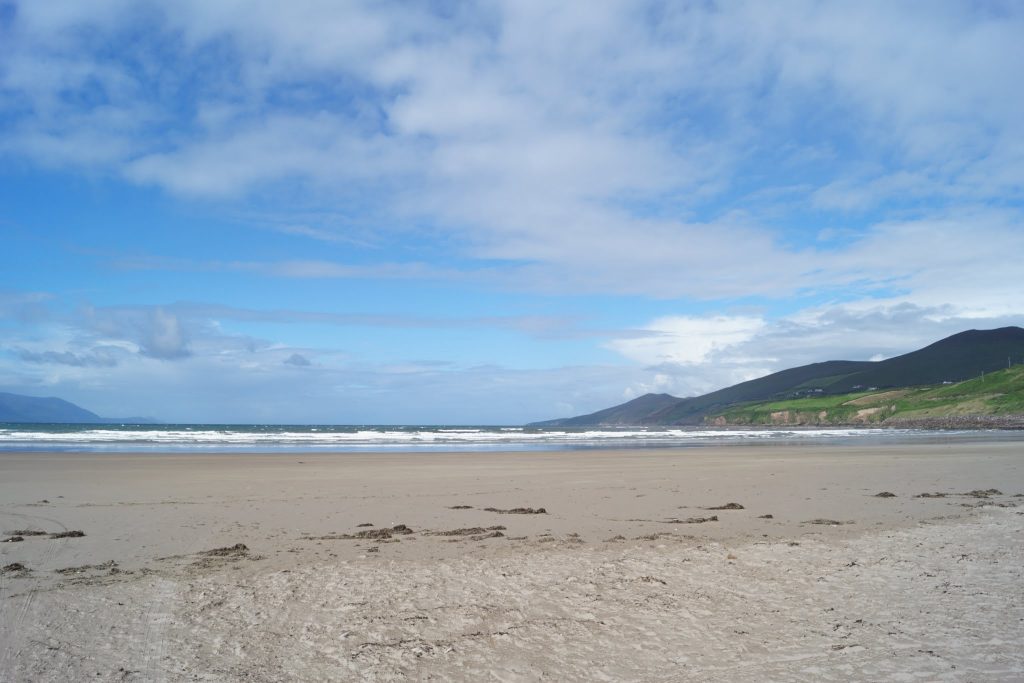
{"points": [[33, 409], [954, 359], [630, 413]]}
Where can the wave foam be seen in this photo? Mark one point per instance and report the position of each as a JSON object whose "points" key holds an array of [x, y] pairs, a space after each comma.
{"points": [[367, 438]]}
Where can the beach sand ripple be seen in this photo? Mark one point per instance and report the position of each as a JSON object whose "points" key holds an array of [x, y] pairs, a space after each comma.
{"points": [[937, 602]]}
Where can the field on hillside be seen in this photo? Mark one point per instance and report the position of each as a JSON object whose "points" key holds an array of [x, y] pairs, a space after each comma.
{"points": [[997, 393]]}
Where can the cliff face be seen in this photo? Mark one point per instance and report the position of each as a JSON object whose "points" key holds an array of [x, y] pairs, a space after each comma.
{"points": [[784, 418], [861, 416]]}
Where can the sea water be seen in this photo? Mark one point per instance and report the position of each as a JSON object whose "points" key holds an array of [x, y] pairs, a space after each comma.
{"points": [[291, 438]]}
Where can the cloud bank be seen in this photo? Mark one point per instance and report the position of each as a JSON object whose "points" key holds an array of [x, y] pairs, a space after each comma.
{"points": [[625, 147]]}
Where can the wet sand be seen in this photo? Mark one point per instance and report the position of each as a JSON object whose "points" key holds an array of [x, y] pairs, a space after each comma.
{"points": [[391, 566]]}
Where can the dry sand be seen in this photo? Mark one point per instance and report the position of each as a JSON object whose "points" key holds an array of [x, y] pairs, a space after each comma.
{"points": [[629, 574]]}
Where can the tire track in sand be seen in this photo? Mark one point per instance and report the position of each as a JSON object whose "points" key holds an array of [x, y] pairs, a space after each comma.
{"points": [[28, 598]]}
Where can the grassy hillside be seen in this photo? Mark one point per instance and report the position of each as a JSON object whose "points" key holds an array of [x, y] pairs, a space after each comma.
{"points": [[997, 393], [957, 358], [803, 378]]}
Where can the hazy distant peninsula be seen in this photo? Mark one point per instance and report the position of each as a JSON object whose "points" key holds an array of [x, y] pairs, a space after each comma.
{"points": [[971, 379], [52, 410]]}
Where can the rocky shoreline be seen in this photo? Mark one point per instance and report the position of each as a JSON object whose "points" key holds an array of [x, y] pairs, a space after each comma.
{"points": [[951, 422], [959, 422]]}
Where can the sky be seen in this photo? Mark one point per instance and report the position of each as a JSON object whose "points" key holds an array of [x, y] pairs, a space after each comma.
{"points": [[493, 212]]}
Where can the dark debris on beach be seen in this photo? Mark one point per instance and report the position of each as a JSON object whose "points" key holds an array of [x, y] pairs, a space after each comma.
{"points": [[68, 534]]}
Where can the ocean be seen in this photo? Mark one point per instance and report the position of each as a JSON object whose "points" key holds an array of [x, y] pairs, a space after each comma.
{"points": [[368, 438]]}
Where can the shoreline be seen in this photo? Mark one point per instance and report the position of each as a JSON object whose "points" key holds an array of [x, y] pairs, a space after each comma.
{"points": [[342, 440], [515, 565]]}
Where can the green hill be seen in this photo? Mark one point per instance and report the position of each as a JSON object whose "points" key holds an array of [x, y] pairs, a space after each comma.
{"points": [[953, 359], [804, 379], [999, 393]]}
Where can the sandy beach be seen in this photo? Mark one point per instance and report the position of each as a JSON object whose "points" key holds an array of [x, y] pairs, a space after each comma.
{"points": [[718, 563]]}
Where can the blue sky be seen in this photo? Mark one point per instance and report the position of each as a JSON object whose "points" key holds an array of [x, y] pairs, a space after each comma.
{"points": [[462, 212]]}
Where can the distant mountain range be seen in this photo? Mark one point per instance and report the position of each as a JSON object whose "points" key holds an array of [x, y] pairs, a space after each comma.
{"points": [[33, 409], [957, 358]]}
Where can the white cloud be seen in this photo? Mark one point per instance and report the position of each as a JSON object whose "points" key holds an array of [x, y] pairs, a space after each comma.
{"points": [[687, 340], [579, 139]]}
